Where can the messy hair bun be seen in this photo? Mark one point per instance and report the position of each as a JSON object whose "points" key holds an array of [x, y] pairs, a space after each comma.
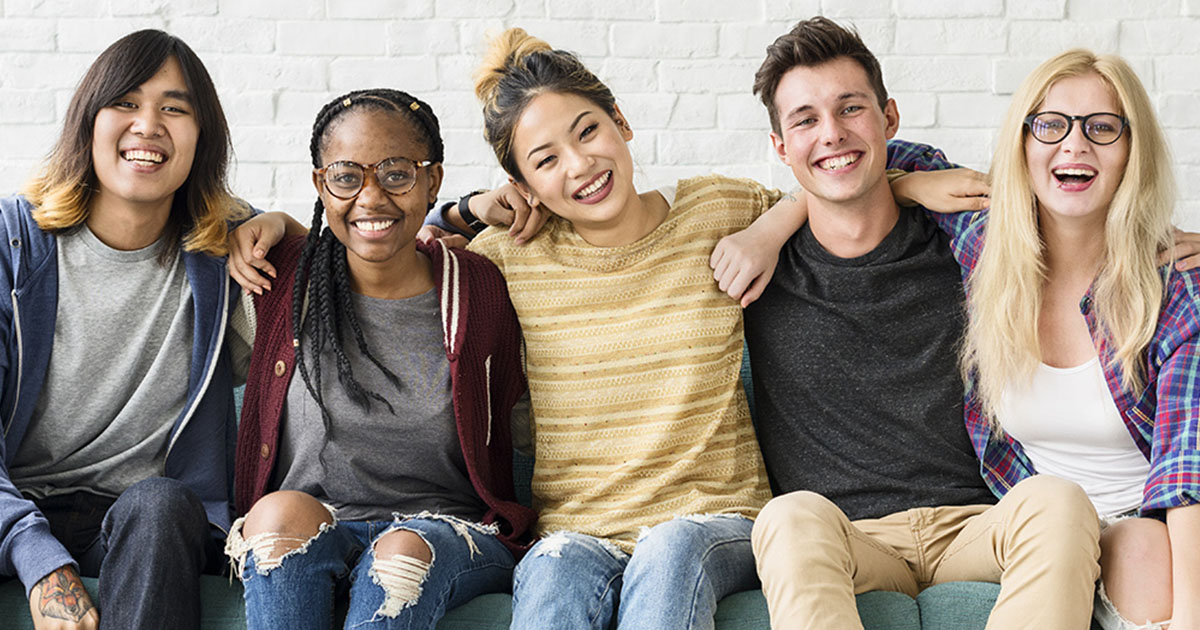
{"points": [[516, 68], [506, 50]]}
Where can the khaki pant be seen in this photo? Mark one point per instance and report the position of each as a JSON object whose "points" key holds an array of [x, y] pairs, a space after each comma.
{"points": [[1040, 542]]}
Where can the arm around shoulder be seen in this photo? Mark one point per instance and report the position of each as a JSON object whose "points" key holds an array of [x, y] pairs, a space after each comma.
{"points": [[743, 263]]}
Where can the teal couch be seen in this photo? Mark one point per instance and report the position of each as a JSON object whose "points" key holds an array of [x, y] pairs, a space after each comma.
{"points": [[953, 606], [957, 606]]}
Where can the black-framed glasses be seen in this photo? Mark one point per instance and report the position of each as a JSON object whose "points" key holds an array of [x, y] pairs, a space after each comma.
{"points": [[395, 175], [1099, 128]]}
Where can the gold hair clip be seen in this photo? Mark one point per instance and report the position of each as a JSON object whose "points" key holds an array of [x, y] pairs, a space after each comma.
{"points": [[346, 102], [414, 106]]}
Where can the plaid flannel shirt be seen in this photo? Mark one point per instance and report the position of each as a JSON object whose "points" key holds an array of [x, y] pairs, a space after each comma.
{"points": [[1163, 419]]}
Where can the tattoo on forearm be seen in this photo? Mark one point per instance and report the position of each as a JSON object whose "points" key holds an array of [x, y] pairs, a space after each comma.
{"points": [[62, 597]]}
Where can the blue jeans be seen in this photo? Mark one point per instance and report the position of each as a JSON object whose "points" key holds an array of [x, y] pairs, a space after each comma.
{"points": [[299, 590], [147, 546], [678, 572]]}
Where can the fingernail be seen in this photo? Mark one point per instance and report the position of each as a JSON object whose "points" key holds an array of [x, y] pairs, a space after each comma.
{"points": [[259, 253]]}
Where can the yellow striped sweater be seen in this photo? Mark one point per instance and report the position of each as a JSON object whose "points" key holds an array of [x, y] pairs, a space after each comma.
{"points": [[633, 358]]}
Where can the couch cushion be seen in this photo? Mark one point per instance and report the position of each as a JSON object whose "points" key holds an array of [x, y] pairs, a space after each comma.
{"points": [[879, 611], [222, 609], [221, 604], [957, 604]]}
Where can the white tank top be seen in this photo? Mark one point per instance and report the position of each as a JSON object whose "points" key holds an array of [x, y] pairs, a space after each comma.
{"points": [[1069, 426]]}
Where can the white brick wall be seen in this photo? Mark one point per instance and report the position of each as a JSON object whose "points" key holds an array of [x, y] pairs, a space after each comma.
{"points": [[682, 70]]}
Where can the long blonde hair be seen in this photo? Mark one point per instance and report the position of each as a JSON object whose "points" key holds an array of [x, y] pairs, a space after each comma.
{"points": [[1005, 290]]}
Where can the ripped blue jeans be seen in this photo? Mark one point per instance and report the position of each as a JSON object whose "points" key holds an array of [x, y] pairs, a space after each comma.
{"points": [[298, 589], [677, 573]]}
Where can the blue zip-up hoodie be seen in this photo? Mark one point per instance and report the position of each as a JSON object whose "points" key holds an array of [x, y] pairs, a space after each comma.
{"points": [[202, 437]]}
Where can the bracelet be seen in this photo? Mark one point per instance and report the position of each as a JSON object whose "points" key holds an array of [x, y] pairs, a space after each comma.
{"points": [[464, 210]]}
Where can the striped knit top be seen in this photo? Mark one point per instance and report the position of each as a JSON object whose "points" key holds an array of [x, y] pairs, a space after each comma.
{"points": [[633, 357]]}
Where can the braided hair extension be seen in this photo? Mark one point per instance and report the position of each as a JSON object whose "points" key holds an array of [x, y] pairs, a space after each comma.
{"points": [[322, 273]]}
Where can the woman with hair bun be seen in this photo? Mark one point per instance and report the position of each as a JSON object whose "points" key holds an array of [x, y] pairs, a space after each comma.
{"points": [[647, 473], [384, 471]]}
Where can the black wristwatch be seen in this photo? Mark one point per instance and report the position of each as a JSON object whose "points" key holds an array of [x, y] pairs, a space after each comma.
{"points": [[464, 210]]}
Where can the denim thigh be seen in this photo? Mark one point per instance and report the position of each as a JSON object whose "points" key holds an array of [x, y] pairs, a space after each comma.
{"points": [[568, 581], [467, 560], [680, 569]]}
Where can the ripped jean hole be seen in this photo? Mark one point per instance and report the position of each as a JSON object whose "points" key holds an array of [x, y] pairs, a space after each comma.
{"points": [[1109, 618], [262, 545], [708, 518], [552, 545], [695, 518], [401, 578], [460, 526]]}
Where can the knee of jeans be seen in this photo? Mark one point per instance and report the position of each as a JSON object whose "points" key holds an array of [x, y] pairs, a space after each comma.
{"points": [[685, 534], [166, 504], [556, 544], [795, 512], [673, 549], [1061, 505], [552, 546], [401, 561], [278, 526]]}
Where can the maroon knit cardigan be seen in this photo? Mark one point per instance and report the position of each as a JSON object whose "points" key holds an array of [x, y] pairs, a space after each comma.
{"points": [[483, 344]]}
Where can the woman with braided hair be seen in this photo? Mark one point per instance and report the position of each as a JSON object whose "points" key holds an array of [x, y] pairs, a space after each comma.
{"points": [[647, 472], [384, 477]]}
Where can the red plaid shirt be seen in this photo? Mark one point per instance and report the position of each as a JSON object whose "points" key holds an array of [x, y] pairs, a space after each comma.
{"points": [[1163, 418]]}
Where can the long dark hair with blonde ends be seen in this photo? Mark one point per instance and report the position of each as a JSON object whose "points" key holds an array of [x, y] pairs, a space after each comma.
{"points": [[63, 189], [517, 68]]}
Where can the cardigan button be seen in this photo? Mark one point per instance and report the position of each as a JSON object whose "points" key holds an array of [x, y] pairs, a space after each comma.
{"points": [[264, 450], [280, 368]]}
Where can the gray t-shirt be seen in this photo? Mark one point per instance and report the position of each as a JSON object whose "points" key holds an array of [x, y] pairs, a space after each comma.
{"points": [[856, 382], [118, 372], [378, 463]]}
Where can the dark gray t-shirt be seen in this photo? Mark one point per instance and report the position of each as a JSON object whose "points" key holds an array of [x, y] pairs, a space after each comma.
{"points": [[378, 463], [856, 382]]}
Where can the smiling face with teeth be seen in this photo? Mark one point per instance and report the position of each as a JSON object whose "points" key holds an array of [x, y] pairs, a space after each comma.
{"points": [[378, 229], [573, 159], [1076, 178], [144, 143], [834, 135]]}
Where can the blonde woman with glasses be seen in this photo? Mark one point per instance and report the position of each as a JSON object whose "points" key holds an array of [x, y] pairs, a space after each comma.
{"points": [[1084, 350]]}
